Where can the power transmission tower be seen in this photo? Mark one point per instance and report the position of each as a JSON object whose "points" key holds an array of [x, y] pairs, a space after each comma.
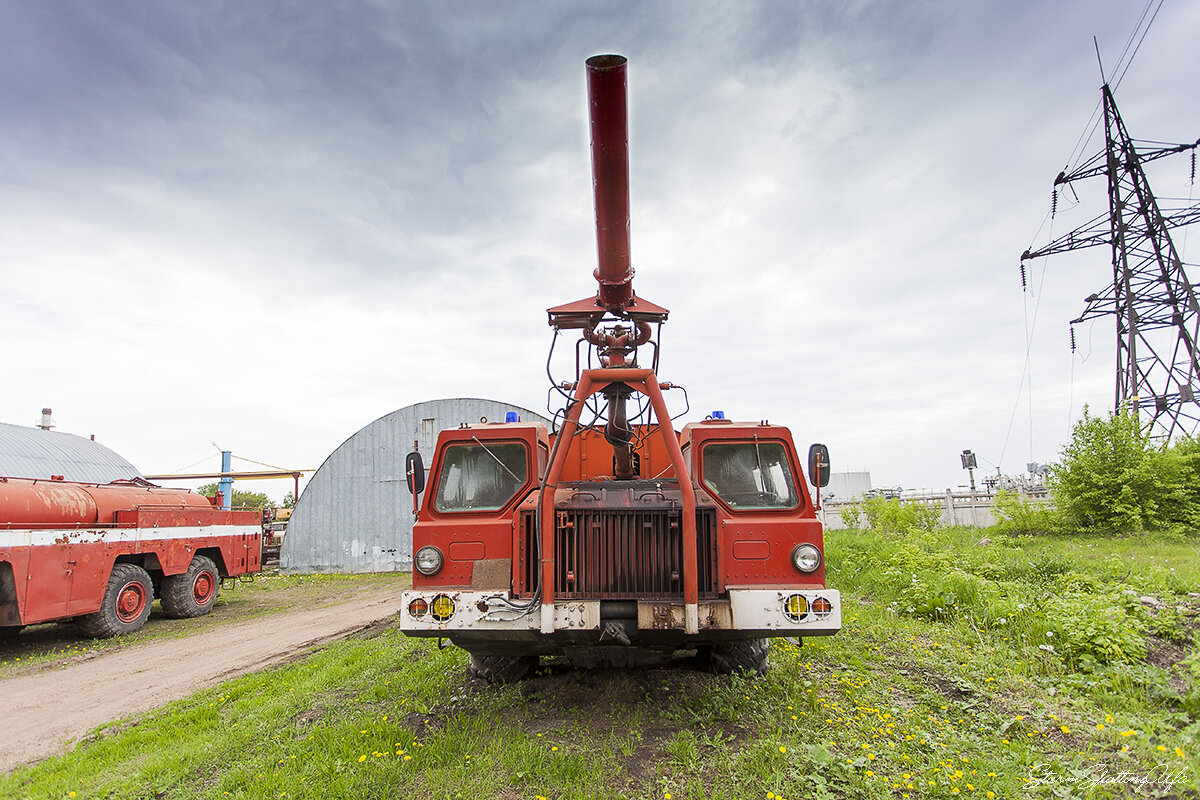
{"points": [[1155, 306]]}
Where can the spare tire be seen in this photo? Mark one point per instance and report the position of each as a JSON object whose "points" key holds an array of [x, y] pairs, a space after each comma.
{"points": [[749, 655], [502, 669]]}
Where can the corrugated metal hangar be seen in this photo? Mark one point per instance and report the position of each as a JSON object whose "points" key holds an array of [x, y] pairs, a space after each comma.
{"points": [[43, 454], [355, 514]]}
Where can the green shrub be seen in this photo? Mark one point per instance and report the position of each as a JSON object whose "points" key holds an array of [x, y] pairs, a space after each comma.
{"points": [[850, 516], [1112, 477], [1017, 514], [1098, 627], [900, 517]]}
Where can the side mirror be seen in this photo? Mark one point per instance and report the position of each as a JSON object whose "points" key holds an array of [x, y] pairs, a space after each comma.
{"points": [[818, 465], [414, 473]]}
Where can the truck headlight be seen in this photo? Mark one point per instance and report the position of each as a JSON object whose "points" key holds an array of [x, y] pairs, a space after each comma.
{"points": [[428, 560], [806, 558]]}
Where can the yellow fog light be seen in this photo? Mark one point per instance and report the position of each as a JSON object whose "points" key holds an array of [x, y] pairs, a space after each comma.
{"points": [[418, 607], [822, 607], [442, 607], [795, 607]]}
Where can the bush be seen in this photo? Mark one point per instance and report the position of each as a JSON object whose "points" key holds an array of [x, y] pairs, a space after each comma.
{"points": [[1096, 626], [1016, 514], [850, 516], [899, 517], [1113, 478]]}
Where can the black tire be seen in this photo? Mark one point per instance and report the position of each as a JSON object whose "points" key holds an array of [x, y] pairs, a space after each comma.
{"points": [[126, 603], [192, 593], [749, 655], [502, 669]]}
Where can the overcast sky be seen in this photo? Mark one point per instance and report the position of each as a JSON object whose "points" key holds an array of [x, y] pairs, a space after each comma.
{"points": [[267, 224]]}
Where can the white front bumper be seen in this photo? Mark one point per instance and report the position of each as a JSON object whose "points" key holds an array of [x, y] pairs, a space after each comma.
{"points": [[760, 611]]}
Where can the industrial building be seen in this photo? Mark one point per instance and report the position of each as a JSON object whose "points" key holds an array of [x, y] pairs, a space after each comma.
{"points": [[43, 454], [355, 514]]}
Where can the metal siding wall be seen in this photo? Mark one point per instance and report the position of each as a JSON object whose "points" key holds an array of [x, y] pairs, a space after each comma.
{"points": [[35, 453], [355, 514]]}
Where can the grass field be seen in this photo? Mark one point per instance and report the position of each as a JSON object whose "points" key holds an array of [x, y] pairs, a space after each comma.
{"points": [[971, 665]]}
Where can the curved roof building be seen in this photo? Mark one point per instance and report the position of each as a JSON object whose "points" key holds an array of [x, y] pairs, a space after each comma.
{"points": [[42, 454], [355, 514]]}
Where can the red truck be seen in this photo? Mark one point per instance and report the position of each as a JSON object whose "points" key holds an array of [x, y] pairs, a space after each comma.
{"points": [[101, 553], [616, 539]]}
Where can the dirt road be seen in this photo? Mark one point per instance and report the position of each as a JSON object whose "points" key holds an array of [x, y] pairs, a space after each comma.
{"points": [[45, 712]]}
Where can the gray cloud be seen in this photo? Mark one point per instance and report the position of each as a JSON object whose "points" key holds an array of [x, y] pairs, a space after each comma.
{"points": [[375, 202]]}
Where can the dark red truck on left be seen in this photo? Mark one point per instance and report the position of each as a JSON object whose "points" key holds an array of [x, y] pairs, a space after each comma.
{"points": [[101, 553]]}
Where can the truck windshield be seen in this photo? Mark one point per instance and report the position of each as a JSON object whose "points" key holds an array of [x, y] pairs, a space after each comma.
{"points": [[750, 474], [480, 477]]}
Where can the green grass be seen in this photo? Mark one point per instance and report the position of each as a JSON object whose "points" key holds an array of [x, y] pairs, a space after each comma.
{"points": [[923, 703]]}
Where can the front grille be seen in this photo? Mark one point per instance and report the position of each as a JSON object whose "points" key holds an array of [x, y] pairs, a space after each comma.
{"points": [[625, 554]]}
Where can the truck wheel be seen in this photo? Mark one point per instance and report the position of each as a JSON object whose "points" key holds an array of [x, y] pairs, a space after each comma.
{"points": [[502, 669], [750, 655], [126, 603], [192, 593]]}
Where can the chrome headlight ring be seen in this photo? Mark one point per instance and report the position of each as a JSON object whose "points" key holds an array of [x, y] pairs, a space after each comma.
{"points": [[806, 558], [428, 560]]}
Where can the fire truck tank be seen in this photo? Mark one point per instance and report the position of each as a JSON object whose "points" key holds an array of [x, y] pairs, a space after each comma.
{"points": [[37, 502]]}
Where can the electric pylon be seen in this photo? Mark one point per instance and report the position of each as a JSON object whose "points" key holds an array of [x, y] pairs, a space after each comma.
{"points": [[1155, 306]]}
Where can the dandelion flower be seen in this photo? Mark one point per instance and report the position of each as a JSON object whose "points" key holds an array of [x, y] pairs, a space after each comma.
{"points": [[1064, 728], [783, 749], [362, 758], [1179, 752]]}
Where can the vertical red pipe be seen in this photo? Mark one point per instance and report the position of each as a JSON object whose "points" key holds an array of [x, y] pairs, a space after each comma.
{"points": [[691, 584], [549, 485], [610, 178]]}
